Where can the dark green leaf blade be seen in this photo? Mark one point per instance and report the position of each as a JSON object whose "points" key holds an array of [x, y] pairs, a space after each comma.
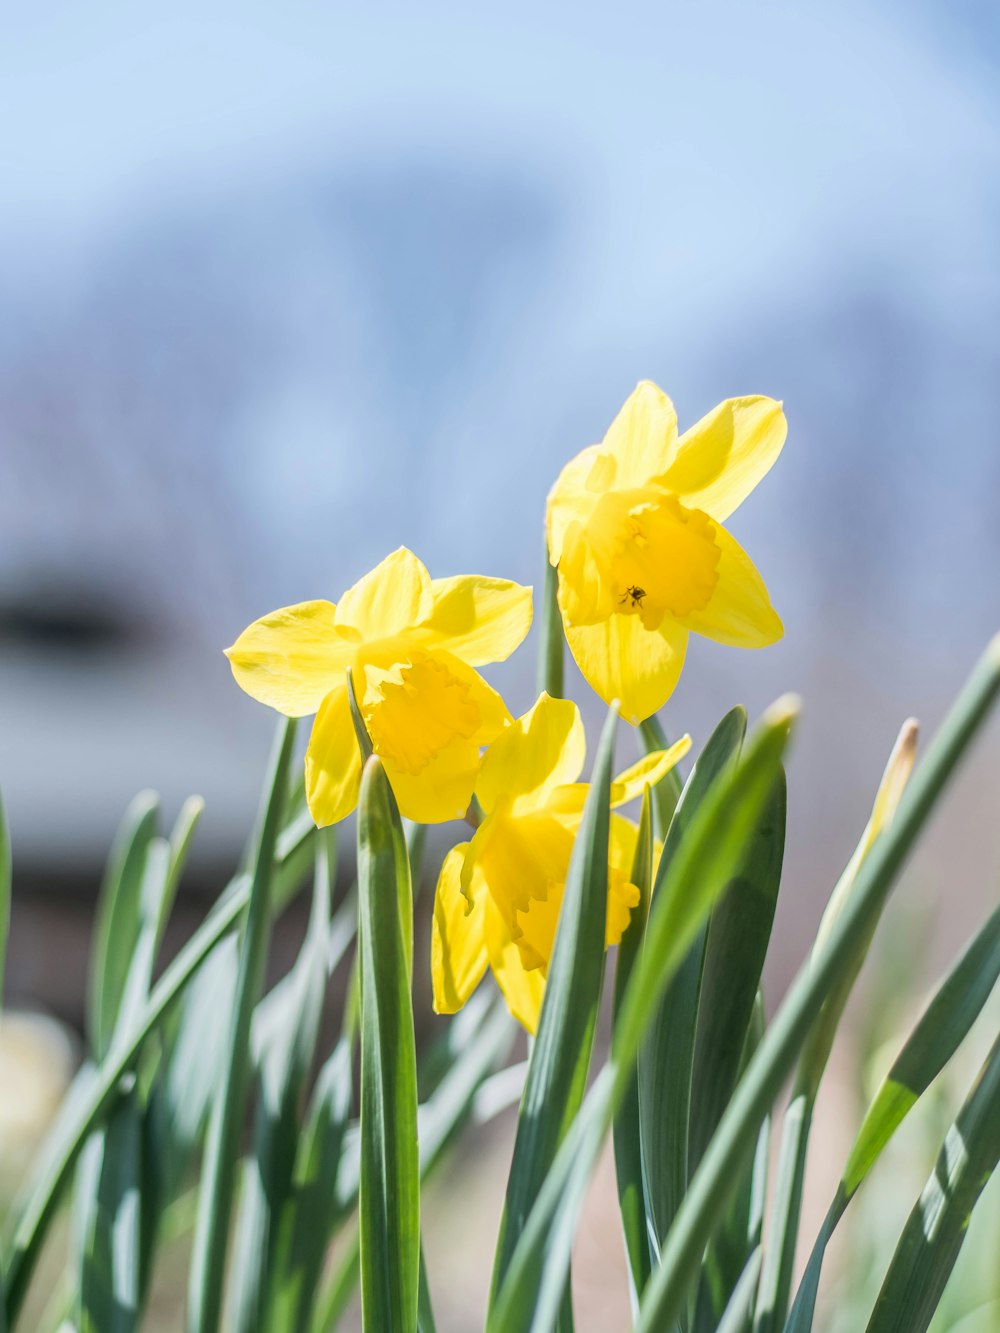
{"points": [[739, 931], [628, 1154], [667, 1055], [389, 1197]]}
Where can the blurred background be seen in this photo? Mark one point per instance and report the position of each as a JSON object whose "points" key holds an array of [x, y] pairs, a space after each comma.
{"points": [[285, 286]]}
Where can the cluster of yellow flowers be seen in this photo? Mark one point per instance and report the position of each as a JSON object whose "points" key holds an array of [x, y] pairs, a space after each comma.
{"points": [[634, 528]]}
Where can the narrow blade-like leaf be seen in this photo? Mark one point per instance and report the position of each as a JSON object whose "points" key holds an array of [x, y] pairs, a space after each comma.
{"points": [[779, 1258], [119, 918], [560, 1058], [628, 1154], [667, 1055], [936, 1037], [937, 1227], [286, 1033], [94, 1093], [389, 1200], [215, 1198]]}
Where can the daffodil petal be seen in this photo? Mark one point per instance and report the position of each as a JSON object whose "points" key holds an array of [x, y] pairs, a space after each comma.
{"points": [[579, 486], [723, 456], [621, 659], [478, 620], [544, 748], [739, 611], [522, 989], [642, 439], [441, 790], [292, 658], [394, 596], [647, 771], [623, 896], [458, 939], [333, 761]]}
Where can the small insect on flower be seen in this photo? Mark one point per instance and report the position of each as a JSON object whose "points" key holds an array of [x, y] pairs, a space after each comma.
{"points": [[632, 596], [411, 644], [499, 896], [635, 530]]}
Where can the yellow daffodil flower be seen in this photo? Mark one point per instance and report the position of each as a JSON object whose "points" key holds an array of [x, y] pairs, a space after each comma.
{"points": [[498, 896], [635, 529], [411, 644]]}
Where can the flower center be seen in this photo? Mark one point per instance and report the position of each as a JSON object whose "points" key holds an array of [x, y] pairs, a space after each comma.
{"points": [[638, 553], [415, 708], [665, 563]]}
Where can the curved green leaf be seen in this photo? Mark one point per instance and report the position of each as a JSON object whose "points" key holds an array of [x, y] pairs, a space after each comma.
{"points": [[937, 1227], [119, 909], [936, 1037]]}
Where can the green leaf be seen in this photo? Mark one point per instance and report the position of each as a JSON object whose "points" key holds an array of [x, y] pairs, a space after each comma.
{"points": [[705, 862], [779, 1259], [628, 1155], [286, 1032], [95, 1091], [560, 1057], [113, 1212], [742, 1228], [937, 1227], [739, 931], [667, 791], [551, 640], [936, 1037], [736, 1136], [667, 1056], [478, 1038], [110, 1275], [222, 1146], [310, 1214], [389, 1198], [6, 877], [181, 837], [119, 918], [737, 1316]]}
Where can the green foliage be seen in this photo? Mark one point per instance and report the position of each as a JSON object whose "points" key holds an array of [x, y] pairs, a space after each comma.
{"points": [[291, 1150]]}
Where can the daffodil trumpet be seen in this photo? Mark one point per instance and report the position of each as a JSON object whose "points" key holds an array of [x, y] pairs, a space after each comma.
{"points": [[412, 645]]}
